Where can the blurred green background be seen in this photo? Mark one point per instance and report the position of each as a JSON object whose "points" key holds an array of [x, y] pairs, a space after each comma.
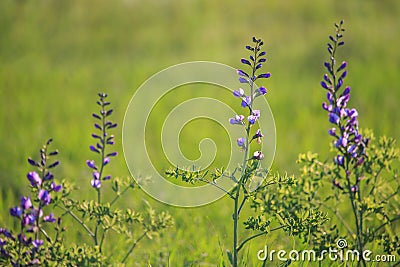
{"points": [[56, 55]]}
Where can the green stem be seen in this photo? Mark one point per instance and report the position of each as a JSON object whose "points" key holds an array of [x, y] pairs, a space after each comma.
{"points": [[76, 218], [119, 195], [257, 235], [133, 246]]}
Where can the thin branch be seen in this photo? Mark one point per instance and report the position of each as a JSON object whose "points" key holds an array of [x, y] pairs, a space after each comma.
{"points": [[133, 246], [257, 235], [79, 221]]}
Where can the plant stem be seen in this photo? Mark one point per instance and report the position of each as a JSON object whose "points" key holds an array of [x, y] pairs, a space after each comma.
{"points": [[73, 215], [133, 246], [257, 235]]}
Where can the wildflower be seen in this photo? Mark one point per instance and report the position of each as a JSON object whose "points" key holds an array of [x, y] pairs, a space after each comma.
{"points": [[238, 93], [241, 142], [258, 136], [55, 187], [34, 179], [90, 164], [16, 211], [258, 155], [238, 119], [49, 218], [44, 197], [26, 203]]}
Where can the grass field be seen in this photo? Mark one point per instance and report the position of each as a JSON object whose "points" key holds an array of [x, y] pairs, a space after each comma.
{"points": [[56, 55]]}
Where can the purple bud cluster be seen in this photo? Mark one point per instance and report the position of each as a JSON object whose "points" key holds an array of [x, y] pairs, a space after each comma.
{"points": [[103, 139], [349, 143], [255, 62], [30, 211]]}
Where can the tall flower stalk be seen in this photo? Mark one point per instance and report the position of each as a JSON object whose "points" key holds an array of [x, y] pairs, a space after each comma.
{"points": [[103, 140], [349, 144], [249, 164]]}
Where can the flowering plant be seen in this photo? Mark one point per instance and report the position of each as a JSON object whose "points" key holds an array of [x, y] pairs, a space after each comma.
{"points": [[39, 244]]}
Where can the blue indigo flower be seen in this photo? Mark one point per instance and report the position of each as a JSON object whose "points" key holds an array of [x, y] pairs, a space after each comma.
{"points": [[44, 196], [349, 142], [103, 140], [49, 218], [252, 119], [332, 132], [258, 136], [55, 187], [90, 164], [37, 243], [238, 93], [48, 176], [26, 203], [256, 113], [334, 118], [238, 119], [34, 179], [112, 154], [16, 211], [246, 101], [258, 155], [108, 177], [241, 142], [96, 183], [260, 91]]}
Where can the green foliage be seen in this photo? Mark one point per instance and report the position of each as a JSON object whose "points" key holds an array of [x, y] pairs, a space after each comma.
{"points": [[379, 205]]}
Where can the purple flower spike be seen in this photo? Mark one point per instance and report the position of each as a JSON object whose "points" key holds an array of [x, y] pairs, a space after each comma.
{"points": [[34, 179], [96, 183], [26, 203], [44, 197], [16, 212], [106, 161]]}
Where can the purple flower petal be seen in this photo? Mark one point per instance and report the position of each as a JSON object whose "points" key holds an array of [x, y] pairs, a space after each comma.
{"points": [[91, 164], [49, 218], [16, 211], [44, 196], [34, 179], [26, 203], [96, 183]]}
